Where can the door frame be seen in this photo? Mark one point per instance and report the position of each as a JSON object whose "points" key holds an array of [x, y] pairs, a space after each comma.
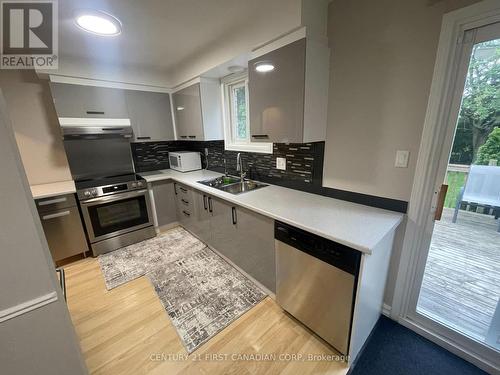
{"points": [[436, 140]]}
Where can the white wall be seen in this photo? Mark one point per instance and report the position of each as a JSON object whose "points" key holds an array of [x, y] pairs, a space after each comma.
{"points": [[279, 18], [36, 127], [382, 60], [36, 341], [381, 66]]}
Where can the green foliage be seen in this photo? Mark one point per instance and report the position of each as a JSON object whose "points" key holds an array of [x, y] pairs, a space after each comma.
{"points": [[241, 112], [480, 110], [454, 180], [490, 149], [461, 152]]}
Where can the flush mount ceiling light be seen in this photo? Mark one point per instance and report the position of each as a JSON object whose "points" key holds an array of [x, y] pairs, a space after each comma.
{"points": [[264, 66], [236, 69], [98, 22]]}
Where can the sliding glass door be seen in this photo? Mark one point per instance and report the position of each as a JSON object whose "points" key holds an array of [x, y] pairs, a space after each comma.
{"points": [[457, 285]]}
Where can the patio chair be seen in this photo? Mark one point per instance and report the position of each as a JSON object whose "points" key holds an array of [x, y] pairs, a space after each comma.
{"points": [[482, 188]]}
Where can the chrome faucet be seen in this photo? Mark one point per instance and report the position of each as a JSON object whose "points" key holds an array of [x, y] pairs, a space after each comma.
{"points": [[239, 166]]}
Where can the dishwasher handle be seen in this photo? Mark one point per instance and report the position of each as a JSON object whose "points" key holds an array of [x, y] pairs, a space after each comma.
{"points": [[328, 251]]}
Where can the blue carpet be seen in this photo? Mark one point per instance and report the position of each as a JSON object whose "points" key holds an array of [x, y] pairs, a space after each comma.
{"points": [[394, 349]]}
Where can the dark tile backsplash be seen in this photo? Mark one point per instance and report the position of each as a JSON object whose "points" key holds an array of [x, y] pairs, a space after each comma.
{"points": [[304, 160], [304, 167]]}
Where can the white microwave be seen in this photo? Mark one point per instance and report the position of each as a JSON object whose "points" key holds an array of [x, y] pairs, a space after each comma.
{"points": [[184, 161]]}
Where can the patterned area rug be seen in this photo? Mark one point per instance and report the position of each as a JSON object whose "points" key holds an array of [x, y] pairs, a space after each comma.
{"points": [[129, 263], [201, 292]]}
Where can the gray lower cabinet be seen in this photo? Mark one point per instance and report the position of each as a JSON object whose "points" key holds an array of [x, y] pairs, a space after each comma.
{"points": [[62, 226], [255, 244], [241, 235], [164, 202], [185, 206], [201, 225], [224, 232]]}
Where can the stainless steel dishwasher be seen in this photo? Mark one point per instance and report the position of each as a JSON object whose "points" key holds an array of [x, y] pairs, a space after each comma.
{"points": [[316, 282]]}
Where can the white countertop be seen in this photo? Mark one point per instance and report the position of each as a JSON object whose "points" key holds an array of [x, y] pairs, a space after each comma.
{"points": [[357, 226], [53, 189]]}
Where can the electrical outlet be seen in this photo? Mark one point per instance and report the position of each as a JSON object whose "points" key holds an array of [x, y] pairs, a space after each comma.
{"points": [[281, 163], [402, 157]]}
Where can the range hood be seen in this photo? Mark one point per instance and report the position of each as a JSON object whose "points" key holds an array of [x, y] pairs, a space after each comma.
{"points": [[76, 126]]}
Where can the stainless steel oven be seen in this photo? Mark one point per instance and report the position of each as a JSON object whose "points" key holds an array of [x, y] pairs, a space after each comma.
{"points": [[117, 220]]}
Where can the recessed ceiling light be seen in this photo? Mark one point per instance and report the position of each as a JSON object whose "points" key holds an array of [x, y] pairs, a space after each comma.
{"points": [[98, 22], [236, 69], [264, 67]]}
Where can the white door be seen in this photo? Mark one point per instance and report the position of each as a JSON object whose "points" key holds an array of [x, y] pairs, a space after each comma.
{"points": [[456, 286]]}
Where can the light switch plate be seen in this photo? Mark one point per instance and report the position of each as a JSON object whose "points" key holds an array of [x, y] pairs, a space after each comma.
{"points": [[402, 157], [281, 163]]}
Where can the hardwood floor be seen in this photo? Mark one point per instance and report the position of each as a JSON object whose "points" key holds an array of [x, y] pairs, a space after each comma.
{"points": [[127, 331]]}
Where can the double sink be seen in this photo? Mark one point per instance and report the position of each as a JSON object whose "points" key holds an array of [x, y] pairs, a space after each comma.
{"points": [[233, 185]]}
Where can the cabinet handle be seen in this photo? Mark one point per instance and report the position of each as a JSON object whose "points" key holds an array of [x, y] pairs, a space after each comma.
{"points": [[204, 202], [186, 213], [143, 137], [210, 208], [175, 188], [183, 136], [57, 214], [184, 201], [95, 112], [51, 201], [182, 189], [260, 136], [192, 136], [233, 215]]}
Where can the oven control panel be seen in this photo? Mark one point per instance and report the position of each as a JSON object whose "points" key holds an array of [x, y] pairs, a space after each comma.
{"points": [[100, 191]]}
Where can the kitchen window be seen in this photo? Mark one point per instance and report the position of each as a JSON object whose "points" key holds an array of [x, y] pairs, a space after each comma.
{"points": [[236, 116]]}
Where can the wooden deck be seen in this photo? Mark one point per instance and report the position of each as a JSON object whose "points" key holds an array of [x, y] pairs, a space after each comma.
{"points": [[461, 284]]}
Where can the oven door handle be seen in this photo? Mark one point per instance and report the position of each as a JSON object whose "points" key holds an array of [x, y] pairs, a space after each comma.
{"points": [[112, 198]]}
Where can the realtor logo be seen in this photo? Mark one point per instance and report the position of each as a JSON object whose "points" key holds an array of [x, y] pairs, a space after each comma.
{"points": [[28, 35]]}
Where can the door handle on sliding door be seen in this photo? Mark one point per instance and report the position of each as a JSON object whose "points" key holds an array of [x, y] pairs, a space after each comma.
{"points": [[440, 202]]}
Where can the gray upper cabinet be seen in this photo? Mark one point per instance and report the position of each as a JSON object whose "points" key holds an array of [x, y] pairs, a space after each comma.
{"points": [[289, 104], [88, 101], [198, 111], [150, 115], [187, 109]]}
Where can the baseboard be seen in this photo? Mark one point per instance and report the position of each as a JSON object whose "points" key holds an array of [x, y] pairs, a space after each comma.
{"points": [[386, 310], [164, 228]]}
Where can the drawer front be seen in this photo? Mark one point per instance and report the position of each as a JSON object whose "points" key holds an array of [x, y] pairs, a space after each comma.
{"points": [[64, 233], [183, 191], [184, 197], [185, 202], [55, 203]]}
